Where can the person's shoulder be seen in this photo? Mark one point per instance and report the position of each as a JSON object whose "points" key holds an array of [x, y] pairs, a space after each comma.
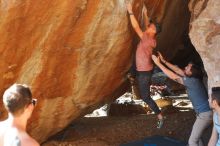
{"points": [[3, 124], [215, 114], [31, 143], [186, 78], [194, 80], [11, 137], [27, 140], [187, 81], [3, 127]]}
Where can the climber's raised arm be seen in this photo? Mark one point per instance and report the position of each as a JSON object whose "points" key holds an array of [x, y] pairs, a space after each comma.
{"points": [[134, 22], [167, 71], [146, 18], [174, 68]]}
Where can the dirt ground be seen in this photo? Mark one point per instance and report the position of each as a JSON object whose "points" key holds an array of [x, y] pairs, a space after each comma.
{"points": [[128, 119], [116, 130]]}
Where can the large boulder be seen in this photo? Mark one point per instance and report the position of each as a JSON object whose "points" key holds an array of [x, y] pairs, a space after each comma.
{"points": [[74, 54], [205, 36]]}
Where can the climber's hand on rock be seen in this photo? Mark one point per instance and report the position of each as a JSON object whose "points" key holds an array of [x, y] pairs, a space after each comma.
{"points": [[129, 7], [145, 10]]}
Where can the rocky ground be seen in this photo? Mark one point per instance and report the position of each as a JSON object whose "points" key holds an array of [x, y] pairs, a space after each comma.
{"points": [[127, 121]]}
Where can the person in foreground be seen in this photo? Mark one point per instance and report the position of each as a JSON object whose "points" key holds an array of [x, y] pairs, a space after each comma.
{"points": [[144, 63], [214, 102], [191, 78], [18, 102]]}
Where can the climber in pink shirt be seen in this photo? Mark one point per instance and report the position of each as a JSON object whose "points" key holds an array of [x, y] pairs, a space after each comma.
{"points": [[144, 63]]}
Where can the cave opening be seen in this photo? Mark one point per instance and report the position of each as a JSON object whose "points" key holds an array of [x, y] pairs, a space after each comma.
{"points": [[174, 41]]}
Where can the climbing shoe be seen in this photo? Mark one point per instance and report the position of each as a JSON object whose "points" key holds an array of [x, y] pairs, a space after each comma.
{"points": [[160, 123]]}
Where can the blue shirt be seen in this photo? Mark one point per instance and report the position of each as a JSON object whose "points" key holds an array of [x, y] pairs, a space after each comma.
{"points": [[197, 93], [217, 127]]}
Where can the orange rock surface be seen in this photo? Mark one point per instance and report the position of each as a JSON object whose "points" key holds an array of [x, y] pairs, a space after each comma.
{"points": [[74, 54]]}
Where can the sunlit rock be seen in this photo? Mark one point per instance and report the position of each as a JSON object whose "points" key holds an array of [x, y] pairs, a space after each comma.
{"points": [[205, 36], [74, 54]]}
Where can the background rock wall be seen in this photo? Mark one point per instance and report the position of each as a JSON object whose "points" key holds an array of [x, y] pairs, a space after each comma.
{"points": [[205, 36]]}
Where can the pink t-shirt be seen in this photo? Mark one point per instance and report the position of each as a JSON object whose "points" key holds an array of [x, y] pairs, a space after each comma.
{"points": [[144, 53]]}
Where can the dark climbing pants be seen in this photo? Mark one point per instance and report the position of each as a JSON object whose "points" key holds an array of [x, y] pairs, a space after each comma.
{"points": [[144, 81]]}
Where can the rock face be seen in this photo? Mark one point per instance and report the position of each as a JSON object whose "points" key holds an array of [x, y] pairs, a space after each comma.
{"points": [[75, 53], [205, 36]]}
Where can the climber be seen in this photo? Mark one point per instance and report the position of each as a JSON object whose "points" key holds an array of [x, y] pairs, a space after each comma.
{"points": [[18, 102], [214, 102], [144, 64], [191, 78]]}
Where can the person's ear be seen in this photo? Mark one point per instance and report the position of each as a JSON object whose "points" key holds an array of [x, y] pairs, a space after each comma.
{"points": [[190, 72], [30, 107], [214, 102]]}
